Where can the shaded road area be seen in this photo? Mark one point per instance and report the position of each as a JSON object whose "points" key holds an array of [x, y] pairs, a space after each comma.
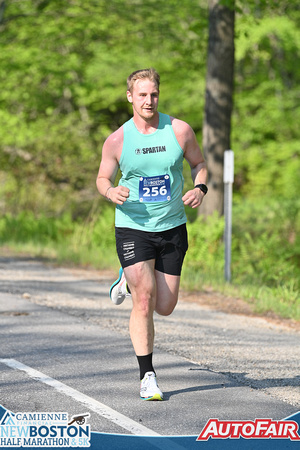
{"points": [[61, 323]]}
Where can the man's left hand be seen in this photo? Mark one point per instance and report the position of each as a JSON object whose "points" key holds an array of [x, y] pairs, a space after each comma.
{"points": [[193, 198]]}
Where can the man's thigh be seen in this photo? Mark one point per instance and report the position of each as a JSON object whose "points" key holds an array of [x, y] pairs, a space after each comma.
{"points": [[167, 289], [140, 274], [160, 288]]}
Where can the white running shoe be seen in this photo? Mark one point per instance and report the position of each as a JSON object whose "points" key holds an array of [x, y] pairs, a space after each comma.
{"points": [[118, 290], [149, 389]]}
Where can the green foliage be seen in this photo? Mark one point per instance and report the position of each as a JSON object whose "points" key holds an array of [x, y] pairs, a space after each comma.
{"points": [[88, 242], [97, 231], [63, 70], [265, 134], [26, 227], [266, 255], [205, 247], [266, 243]]}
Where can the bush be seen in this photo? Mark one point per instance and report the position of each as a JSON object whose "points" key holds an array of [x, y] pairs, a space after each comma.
{"points": [[266, 242], [27, 227]]}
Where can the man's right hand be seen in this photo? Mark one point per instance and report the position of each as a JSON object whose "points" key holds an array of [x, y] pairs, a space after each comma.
{"points": [[118, 194]]}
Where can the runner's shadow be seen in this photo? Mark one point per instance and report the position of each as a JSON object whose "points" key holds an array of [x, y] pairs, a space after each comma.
{"points": [[168, 395]]}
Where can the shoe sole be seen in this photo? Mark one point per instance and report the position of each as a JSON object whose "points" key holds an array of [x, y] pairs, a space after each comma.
{"points": [[155, 397], [116, 282]]}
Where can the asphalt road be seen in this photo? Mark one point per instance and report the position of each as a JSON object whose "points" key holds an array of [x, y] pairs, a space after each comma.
{"points": [[65, 347]]}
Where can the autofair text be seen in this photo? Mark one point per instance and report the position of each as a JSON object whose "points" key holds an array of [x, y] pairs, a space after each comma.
{"points": [[258, 429]]}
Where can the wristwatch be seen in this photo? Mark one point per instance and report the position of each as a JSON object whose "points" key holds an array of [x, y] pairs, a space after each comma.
{"points": [[202, 188]]}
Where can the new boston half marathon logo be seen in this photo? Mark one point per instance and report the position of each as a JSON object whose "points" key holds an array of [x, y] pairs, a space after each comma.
{"points": [[44, 429]]}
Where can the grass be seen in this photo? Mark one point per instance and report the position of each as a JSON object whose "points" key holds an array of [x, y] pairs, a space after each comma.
{"points": [[281, 300]]}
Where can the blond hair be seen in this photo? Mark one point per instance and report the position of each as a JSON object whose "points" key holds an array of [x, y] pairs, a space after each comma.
{"points": [[151, 74]]}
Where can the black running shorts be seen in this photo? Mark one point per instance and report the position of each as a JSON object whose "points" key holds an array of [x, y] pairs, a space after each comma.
{"points": [[168, 248]]}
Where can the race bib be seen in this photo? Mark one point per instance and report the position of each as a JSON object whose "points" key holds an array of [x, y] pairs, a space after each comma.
{"points": [[155, 189]]}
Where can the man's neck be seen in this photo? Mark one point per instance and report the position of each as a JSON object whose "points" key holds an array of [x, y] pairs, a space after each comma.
{"points": [[145, 126]]}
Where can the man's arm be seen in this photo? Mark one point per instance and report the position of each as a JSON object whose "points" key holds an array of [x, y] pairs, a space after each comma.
{"points": [[108, 169], [192, 153]]}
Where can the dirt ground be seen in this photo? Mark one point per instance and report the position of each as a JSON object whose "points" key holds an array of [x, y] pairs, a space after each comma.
{"points": [[211, 299], [232, 305]]}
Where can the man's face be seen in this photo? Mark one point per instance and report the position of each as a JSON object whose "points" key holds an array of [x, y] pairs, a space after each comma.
{"points": [[144, 98]]}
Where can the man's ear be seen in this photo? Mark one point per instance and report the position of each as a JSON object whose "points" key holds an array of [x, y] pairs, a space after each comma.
{"points": [[129, 96]]}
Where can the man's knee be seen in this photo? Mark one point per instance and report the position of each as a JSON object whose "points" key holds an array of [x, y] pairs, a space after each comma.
{"points": [[144, 304]]}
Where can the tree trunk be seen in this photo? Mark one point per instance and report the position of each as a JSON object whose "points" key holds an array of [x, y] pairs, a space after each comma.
{"points": [[218, 101]]}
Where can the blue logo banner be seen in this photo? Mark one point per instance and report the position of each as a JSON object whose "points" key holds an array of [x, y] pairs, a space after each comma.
{"points": [[57, 430]]}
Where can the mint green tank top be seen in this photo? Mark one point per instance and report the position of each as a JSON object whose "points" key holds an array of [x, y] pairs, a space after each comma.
{"points": [[151, 167]]}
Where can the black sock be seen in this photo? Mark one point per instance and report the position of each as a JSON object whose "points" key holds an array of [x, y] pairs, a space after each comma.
{"points": [[145, 363]]}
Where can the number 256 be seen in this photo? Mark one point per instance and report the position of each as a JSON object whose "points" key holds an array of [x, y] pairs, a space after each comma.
{"points": [[154, 191]]}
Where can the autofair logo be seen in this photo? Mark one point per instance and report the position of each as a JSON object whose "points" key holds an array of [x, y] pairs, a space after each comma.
{"points": [[258, 429]]}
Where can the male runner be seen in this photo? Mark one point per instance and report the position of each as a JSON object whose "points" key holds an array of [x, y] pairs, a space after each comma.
{"points": [[150, 222]]}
